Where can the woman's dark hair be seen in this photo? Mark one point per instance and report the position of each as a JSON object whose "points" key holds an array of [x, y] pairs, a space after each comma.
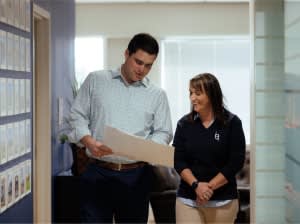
{"points": [[144, 42], [209, 84]]}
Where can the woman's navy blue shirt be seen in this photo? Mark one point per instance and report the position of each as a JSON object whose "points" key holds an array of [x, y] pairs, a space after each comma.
{"points": [[208, 151]]}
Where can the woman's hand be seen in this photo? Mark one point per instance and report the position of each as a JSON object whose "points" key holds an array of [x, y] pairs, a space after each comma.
{"points": [[203, 192]]}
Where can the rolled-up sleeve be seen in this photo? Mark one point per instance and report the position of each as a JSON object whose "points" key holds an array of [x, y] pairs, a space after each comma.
{"points": [[162, 127], [79, 116]]}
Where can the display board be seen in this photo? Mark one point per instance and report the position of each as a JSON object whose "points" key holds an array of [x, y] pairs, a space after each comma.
{"points": [[16, 111]]}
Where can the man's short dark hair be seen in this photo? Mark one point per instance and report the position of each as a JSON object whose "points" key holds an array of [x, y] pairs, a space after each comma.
{"points": [[145, 42]]}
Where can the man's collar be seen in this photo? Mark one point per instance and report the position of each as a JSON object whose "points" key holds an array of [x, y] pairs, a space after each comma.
{"points": [[117, 73]]}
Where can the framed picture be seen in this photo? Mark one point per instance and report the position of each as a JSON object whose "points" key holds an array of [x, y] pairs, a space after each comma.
{"points": [[3, 144]]}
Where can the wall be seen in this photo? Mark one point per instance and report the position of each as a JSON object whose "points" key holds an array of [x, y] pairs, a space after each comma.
{"points": [[161, 19], [118, 22], [277, 88], [62, 67], [292, 116], [269, 113]]}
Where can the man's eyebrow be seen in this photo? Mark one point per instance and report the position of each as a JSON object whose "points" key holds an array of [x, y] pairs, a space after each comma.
{"points": [[140, 61]]}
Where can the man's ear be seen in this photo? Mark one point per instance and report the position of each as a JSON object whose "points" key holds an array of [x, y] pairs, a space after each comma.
{"points": [[126, 53]]}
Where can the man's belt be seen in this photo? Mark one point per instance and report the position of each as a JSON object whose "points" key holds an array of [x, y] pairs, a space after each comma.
{"points": [[117, 166]]}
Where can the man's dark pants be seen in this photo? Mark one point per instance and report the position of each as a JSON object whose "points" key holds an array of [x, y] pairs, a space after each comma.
{"points": [[123, 195]]}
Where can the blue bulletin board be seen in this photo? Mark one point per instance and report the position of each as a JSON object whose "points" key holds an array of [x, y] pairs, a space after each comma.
{"points": [[16, 201]]}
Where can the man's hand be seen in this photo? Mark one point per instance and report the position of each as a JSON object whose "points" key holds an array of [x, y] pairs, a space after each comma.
{"points": [[99, 149], [96, 148]]}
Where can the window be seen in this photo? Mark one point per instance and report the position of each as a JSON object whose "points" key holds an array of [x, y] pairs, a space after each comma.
{"points": [[88, 56], [228, 58]]}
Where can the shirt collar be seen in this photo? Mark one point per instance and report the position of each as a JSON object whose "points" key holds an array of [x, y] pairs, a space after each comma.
{"points": [[117, 74], [196, 116]]}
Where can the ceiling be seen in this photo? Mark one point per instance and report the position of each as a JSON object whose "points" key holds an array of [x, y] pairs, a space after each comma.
{"points": [[155, 1]]}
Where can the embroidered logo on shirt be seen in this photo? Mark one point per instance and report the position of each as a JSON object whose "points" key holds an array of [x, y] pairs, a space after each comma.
{"points": [[217, 136]]}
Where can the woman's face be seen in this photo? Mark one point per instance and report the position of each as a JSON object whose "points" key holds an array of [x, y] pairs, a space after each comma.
{"points": [[199, 100]]}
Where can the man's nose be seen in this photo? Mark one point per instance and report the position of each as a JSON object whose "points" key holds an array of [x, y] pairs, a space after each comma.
{"points": [[141, 68]]}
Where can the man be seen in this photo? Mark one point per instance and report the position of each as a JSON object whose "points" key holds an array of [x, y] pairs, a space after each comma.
{"points": [[114, 187]]}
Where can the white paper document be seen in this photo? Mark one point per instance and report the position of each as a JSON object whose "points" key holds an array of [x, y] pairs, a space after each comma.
{"points": [[137, 148]]}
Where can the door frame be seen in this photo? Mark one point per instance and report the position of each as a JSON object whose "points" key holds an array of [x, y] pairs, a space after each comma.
{"points": [[41, 116]]}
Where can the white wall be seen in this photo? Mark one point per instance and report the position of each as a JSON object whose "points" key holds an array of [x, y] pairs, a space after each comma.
{"points": [[119, 22], [123, 20]]}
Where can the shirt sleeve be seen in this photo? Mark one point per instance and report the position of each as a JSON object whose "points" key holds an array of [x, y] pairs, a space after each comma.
{"points": [[237, 148], [162, 126], [79, 116], [179, 155]]}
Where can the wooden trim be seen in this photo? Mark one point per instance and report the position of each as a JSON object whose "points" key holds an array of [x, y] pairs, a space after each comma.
{"points": [[41, 116]]}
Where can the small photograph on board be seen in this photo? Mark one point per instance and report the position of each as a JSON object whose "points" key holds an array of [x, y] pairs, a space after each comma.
{"points": [[16, 137], [3, 105], [10, 141], [10, 187], [22, 54], [22, 179], [3, 11], [16, 53], [2, 49], [10, 4], [22, 14], [27, 15], [16, 178], [27, 95], [22, 142], [28, 54], [3, 194], [10, 39], [28, 135], [10, 95], [16, 13], [22, 96], [16, 97], [28, 177], [3, 144]]}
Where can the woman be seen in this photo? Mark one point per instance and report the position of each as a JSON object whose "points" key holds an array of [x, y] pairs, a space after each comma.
{"points": [[209, 150]]}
